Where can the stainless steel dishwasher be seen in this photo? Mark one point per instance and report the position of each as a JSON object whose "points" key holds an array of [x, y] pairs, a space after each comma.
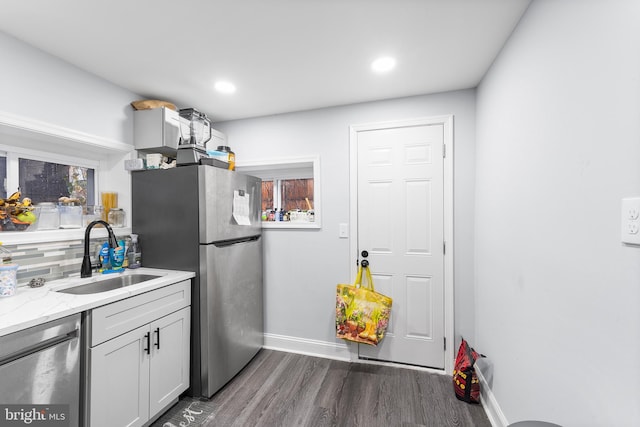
{"points": [[41, 366]]}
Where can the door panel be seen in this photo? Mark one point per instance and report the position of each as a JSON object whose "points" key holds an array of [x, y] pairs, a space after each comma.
{"points": [[379, 228], [419, 322], [119, 388], [384, 285], [169, 366], [417, 217], [401, 225]]}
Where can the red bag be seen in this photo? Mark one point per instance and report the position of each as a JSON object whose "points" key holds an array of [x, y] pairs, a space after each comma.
{"points": [[465, 381]]}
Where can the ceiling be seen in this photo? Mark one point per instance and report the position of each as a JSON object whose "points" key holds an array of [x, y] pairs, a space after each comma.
{"points": [[282, 55]]}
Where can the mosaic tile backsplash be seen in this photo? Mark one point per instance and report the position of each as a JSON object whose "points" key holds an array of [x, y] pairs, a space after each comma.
{"points": [[51, 260]]}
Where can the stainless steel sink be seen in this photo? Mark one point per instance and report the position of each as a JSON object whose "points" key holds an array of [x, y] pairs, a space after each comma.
{"points": [[109, 284]]}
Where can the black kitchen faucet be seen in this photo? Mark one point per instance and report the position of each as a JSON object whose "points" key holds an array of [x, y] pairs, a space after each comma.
{"points": [[87, 266]]}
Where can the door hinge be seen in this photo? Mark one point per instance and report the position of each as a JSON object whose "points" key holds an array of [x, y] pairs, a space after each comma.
{"points": [[444, 247], [444, 150], [445, 343]]}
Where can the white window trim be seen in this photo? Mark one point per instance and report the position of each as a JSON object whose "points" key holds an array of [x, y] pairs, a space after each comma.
{"points": [[36, 134], [289, 163]]}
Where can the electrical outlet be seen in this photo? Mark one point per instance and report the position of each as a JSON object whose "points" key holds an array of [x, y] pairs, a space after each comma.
{"points": [[630, 220]]}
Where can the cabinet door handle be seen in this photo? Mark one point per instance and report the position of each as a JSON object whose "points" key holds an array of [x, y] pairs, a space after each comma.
{"points": [[157, 344], [147, 337]]}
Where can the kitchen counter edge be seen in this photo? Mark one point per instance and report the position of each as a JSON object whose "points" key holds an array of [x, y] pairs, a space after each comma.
{"points": [[34, 306]]}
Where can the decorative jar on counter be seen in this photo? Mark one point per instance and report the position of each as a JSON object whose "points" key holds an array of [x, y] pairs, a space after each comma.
{"points": [[116, 217]]}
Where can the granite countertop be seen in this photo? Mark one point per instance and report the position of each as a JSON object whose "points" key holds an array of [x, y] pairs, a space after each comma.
{"points": [[33, 306]]}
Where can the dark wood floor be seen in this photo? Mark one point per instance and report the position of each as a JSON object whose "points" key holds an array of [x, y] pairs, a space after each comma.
{"points": [[286, 389]]}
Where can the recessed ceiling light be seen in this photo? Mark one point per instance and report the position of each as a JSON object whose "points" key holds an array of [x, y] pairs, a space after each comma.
{"points": [[383, 64], [225, 87]]}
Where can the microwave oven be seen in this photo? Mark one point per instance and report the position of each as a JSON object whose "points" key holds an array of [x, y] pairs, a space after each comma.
{"points": [[157, 130]]}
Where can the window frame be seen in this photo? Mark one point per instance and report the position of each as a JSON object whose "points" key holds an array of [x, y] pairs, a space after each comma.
{"points": [[13, 154], [274, 169]]}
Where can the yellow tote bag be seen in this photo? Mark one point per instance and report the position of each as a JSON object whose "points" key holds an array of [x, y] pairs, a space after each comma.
{"points": [[362, 314]]}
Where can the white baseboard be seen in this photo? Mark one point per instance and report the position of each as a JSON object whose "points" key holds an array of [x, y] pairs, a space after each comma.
{"points": [[328, 350], [490, 404], [307, 347]]}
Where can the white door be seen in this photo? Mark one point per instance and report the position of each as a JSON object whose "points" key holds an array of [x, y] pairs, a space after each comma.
{"points": [[400, 223]]}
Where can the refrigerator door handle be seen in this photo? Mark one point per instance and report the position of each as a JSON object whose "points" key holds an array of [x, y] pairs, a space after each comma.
{"points": [[225, 243]]}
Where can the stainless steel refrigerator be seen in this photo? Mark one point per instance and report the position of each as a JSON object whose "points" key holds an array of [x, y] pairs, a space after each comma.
{"points": [[206, 219]]}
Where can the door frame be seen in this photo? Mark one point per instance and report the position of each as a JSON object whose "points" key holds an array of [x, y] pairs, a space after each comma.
{"points": [[447, 122]]}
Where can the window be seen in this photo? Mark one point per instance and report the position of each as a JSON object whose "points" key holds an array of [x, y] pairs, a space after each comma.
{"points": [[47, 182], [267, 195], [47, 179], [291, 199], [296, 194], [290, 192]]}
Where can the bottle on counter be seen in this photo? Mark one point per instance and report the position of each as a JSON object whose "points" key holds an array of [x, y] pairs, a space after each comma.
{"points": [[127, 244], [134, 253]]}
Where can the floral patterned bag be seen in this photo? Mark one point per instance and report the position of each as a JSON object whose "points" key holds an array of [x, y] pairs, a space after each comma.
{"points": [[362, 314]]}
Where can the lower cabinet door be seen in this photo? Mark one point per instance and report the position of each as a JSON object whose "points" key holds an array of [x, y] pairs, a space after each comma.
{"points": [[119, 385], [169, 365]]}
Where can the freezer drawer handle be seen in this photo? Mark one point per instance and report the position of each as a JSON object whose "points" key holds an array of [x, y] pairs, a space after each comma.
{"points": [[157, 344], [225, 243]]}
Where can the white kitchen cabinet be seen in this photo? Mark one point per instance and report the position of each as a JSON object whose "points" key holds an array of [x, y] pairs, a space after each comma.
{"points": [[138, 363], [169, 365], [119, 386]]}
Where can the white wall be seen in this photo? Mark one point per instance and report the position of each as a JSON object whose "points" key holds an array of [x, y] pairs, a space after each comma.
{"points": [[38, 86], [302, 267], [558, 143]]}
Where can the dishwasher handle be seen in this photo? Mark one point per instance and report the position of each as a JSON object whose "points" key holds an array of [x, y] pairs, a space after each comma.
{"points": [[27, 351]]}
